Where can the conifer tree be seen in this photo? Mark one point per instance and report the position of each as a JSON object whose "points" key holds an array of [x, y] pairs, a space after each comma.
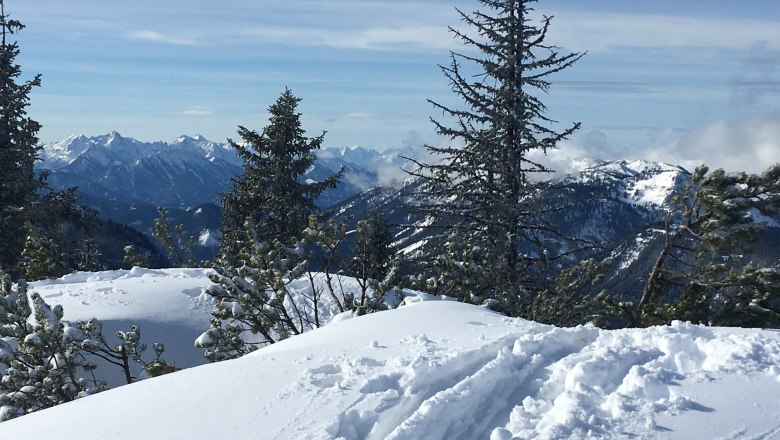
{"points": [[486, 185], [701, 273], [460, 271], [59, 236], [176, 241], [372, 255], [573, 299], [372, 248], [41, 256], [270, 192], [254, 305], [324, 240], [133, 257], [18, 147], [264, 221]]}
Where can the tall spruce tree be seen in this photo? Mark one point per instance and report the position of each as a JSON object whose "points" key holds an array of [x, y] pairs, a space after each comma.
{"points": [[18, 148], [265, 216], [485, 184], [271, 192]]}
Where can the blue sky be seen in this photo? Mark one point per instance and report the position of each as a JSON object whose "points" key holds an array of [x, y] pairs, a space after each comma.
{"points": [[678, 81]]}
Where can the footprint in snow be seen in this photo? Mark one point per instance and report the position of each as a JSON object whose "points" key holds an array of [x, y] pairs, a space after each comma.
{"points": [[326, 376], [382, 383]]}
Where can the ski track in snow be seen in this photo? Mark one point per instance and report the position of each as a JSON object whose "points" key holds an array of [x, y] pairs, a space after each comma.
{"points": [[562, 383]]}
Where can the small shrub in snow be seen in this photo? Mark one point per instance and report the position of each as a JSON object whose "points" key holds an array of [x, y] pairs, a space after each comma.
{"points": [[133, 257], [374, 263], [175, 240], [130, 349], [257, 305], [253, 306], [43, 363], [569, 301]]}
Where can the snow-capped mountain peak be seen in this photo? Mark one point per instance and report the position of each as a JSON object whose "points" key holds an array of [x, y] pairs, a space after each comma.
{"points": [[65, 151], [211, 150], [642, 182], [186, 172]]}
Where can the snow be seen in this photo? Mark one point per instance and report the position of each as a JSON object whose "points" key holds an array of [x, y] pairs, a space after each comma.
{"points": [[409, 250], [644, 182], [127, 150], [206, 238], [430, 369], [169, 305], [640, 242], [656, 189]]}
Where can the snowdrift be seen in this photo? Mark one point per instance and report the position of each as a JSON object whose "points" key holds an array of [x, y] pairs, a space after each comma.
{"points": [[445, 370]]}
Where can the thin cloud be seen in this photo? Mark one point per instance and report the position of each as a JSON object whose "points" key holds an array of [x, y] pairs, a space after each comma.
{"points": [[758, 77], [157, 37], [609, 87], [430, 37], [606, 32], [351, 116], [359, 115], [379, 38], [197, 111]]}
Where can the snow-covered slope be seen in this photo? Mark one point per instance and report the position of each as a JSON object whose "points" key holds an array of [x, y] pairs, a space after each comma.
{"points": [[638, 182], [446, 370], [169, 305]]}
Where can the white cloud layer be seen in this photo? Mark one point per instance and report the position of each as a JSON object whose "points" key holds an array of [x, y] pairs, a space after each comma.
{"points": [[750, 144], [603, 32]]}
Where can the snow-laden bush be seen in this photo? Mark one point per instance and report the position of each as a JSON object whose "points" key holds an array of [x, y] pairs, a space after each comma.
{"points": [[43, 364]]}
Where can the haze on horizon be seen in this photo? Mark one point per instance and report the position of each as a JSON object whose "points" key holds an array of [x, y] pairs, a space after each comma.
{"points": [[679, 82]]}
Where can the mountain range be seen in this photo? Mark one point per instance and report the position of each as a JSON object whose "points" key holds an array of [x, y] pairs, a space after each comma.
{"points": [[608, 200], [190, 171], [126, 179], [620, 204]]}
